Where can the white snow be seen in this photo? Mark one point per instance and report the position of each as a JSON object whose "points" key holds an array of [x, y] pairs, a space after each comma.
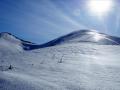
{"points": [[9, 37], [73, 66], [9, 43]]}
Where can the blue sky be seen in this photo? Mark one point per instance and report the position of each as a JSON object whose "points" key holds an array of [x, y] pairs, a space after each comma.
{"points": [[42, 20]]}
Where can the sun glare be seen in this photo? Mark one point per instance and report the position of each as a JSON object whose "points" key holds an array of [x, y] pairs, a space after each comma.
{"points": [[99, 7], [96, 36]]}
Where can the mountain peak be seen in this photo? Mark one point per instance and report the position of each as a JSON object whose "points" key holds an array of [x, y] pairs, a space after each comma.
{"points": [[2, 34], [9, 37], [82, 36]]}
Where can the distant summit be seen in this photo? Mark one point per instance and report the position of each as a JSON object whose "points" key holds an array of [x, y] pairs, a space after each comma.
{"points": [[9, 37], [81, 36], [8, 40]]}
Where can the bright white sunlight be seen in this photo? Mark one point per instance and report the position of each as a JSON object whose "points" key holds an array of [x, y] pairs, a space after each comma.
{"points": [[59, 44], [100, 7]]}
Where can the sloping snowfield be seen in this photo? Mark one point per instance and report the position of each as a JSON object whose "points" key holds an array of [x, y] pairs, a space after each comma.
{"points": [[77, 66]]}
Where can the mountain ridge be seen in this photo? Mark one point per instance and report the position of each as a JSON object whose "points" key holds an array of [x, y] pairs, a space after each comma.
{"points": [[68, 65], [80, 36], [95, 35]]}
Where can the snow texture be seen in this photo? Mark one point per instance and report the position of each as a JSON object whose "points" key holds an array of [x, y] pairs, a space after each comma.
{"points": [[68, 66]]}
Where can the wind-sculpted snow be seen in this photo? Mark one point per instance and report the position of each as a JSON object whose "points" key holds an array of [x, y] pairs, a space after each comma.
{"points": [[70, 66], [81, 36], [85, 36], [9, 40]]}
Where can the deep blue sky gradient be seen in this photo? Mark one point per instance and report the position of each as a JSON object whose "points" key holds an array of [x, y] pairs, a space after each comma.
{"points": [[43, 20]]}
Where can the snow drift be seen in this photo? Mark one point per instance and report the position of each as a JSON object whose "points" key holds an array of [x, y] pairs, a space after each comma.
{"points": [[90, 36], [74, 62], [81, 36]]}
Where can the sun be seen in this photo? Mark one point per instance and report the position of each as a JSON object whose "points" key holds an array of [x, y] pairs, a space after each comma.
{"points": [[99, 7]]}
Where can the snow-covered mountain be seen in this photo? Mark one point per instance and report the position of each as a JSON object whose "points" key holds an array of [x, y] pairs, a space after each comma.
{"points": [[90, 36], [74, 63], [9, 40], [81, 36], [9, 43]]}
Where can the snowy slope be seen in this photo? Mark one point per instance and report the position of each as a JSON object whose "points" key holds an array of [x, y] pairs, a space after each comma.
{"points": [[80, 36], [67, 66], [9, 43], [78, 66], [9, 40]]}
